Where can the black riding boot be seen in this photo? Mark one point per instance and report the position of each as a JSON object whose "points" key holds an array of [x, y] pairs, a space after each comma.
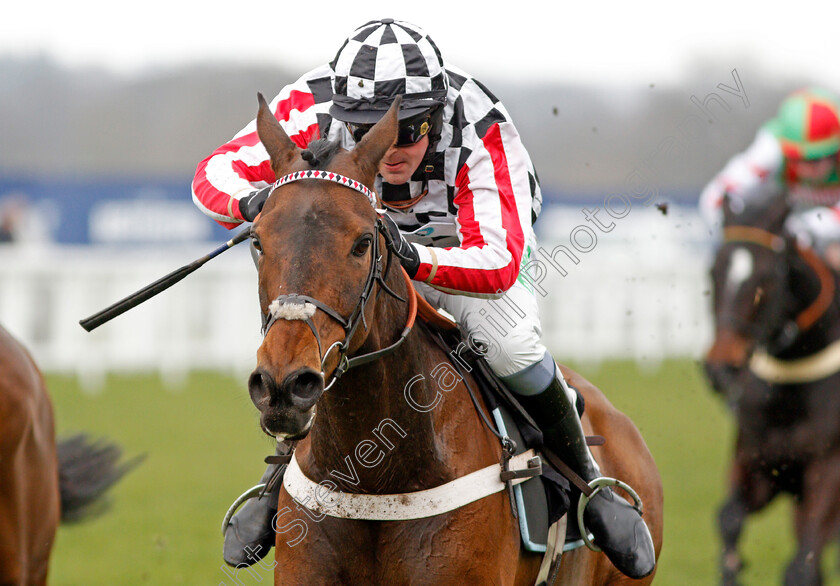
{"points": [[249, 535], [617, 527]]}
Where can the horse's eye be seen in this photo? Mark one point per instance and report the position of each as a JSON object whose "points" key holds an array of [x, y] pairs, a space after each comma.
{"points": [[362, 245], [255, 242]]}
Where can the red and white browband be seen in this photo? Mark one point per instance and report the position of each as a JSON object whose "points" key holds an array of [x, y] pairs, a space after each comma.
{"points": [[328, 176]]}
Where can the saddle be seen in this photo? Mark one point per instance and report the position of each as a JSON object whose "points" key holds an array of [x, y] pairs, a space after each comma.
{"points": [[541, 503]]}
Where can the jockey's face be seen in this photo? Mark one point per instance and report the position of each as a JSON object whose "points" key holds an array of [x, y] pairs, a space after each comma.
{"points": [[400, 162], [815, 171]]}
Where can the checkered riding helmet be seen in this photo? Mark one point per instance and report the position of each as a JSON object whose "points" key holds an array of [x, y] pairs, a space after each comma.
{"points": [[381, 60], [808, 124]]}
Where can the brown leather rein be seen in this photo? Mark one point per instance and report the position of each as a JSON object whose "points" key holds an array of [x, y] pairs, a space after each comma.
{"points": [[811, 314], [405, 204]]}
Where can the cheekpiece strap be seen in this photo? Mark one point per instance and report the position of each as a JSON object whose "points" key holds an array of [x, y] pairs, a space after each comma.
{"points": [[328, 176]]}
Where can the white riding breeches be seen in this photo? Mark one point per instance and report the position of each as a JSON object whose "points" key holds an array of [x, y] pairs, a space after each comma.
{"points": [[508, 326]]}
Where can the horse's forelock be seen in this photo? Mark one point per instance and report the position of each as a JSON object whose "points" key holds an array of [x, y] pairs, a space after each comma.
{"points": [[320, 152]]}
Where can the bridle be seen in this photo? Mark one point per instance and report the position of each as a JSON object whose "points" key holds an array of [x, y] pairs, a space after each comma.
{"points": [[294, 306], [817, 308]]}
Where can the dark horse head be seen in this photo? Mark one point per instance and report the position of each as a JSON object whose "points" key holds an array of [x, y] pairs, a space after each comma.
{"points": [[319, 244], [768, 290]]}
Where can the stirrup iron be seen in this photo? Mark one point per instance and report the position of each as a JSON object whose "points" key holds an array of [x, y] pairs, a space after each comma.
{"points": [[597, 485], [252, 492]]}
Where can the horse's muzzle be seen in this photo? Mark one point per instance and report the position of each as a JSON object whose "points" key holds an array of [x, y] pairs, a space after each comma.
{"points": [[286, 409], [726, 359], [721, 376]]}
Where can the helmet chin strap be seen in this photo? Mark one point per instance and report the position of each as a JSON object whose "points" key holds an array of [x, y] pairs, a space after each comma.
{"points": [[434, 134]]}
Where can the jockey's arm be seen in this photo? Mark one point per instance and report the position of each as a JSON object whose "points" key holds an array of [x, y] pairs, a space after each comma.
{"points": [[238, 168], [743, 176], [493, 200]]}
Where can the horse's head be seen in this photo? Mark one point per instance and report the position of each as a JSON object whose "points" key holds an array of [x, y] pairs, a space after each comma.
{"points": [[320, 252], [750, 284]]}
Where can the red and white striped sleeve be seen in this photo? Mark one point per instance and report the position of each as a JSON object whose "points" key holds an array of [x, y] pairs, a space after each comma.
{"points": [[242, 165], [742, 175], [493, 200]]}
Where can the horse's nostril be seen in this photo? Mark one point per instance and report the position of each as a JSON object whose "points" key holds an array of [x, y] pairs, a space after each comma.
{"points": [[304, 386], [259, 387]]}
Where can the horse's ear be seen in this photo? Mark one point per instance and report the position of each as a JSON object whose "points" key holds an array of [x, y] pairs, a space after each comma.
{"points": [[733, 207], [727, 209], [280, 147], [378, 140]]}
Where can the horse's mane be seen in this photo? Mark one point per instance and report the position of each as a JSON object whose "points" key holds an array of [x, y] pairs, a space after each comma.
{"points": [[318, 153]]}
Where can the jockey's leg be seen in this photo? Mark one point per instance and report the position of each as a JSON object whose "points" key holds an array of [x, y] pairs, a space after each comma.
{"points": [[617, 527], [249, 535], [510, 329]]}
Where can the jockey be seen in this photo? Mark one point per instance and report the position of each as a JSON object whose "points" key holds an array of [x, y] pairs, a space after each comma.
{"points": [[461, 195], [794, 155]]}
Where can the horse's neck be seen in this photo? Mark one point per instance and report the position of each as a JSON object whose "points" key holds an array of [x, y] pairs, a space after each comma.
{"points": [[385, 425]]}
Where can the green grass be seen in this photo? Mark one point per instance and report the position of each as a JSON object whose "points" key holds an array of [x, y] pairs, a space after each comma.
{"points": [[204, 448]]}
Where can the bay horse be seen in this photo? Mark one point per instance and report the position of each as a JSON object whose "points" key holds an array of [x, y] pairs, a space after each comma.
{"points": [[775, 358], [397, 421], [41, 482]]}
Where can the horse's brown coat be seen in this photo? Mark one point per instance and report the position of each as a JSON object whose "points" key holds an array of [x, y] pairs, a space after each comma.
{"points": [[307, 233], [29, 491]]}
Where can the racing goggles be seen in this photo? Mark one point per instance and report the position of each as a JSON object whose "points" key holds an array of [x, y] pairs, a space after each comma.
{"points": [[410, 132]]}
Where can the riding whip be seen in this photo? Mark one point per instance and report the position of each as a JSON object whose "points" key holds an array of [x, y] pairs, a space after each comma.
{"points": [[161, 284]]}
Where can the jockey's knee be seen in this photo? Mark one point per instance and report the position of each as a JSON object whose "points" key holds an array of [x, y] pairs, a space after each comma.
{"points": [[538, 377], [534, 378], [513, 353], [831, 255]]}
